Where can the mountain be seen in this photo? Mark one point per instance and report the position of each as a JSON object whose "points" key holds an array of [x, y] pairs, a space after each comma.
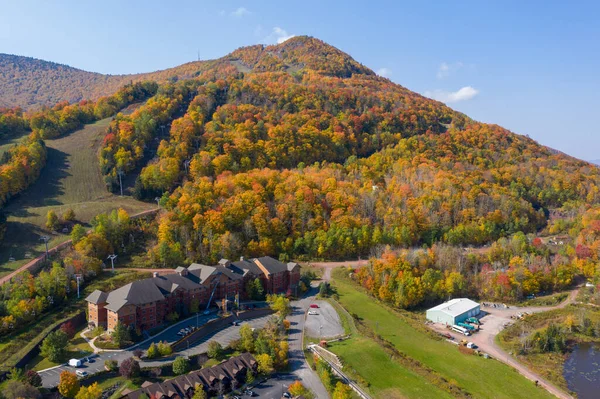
{"points": [[31, 83], [297, 150]]}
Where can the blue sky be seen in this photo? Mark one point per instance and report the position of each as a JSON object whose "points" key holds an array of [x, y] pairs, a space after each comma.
{"points": [[530, 66]]}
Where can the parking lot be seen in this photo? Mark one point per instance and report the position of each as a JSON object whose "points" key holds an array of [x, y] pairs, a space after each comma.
{"points": [[325, 323]]}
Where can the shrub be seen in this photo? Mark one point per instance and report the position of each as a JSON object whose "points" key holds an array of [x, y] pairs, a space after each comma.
{"points": [[215, 350], [180, 366], [153, 352], [111, 365], [164, 349], [130, 368], [69, 215], [33, 378], [68, 328]]}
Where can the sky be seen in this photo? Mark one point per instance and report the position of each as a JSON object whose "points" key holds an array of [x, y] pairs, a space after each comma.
{"points": [[530, 66]]}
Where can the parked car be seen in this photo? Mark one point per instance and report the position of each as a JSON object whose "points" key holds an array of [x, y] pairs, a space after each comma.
{"points": [[81, 373], [471, 345], [314, 306], [235, 323], [287, 395], [249, 393], [89, 359], [312, 312]]}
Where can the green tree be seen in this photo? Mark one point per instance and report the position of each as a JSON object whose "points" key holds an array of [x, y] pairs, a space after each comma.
{"points": [[342, 391], [153, 352], [69, 215], [247, 337], [77, 233], [52, 220], [215, 350], [280, 304], [54, 346], [265, 363], [250, 377], [199, 393], [180, 366], [164, 349], [90, 392], [120, 335], [259, 291], [194, 305]]}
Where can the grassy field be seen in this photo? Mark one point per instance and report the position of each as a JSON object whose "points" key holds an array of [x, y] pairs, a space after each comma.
{"points": [[71, 179], [482, 378], [77, 348], [7, 143]]}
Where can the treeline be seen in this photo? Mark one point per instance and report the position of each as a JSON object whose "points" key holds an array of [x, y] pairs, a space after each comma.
{"points": [[12, 123], [129, 137], [510, 271], [20, 166], [25, 297], [64, 118]]}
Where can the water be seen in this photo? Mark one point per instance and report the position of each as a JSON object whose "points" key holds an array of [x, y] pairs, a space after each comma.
{"points": [[582, 371]]}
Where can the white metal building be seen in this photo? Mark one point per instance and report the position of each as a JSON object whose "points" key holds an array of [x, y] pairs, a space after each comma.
{"points": [[453, 311]]}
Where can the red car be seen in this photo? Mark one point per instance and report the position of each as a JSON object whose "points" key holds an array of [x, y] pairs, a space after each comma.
{"points": [[314, 306]]}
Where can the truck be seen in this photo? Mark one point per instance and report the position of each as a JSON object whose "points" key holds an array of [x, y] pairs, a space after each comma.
{"points": [[467, 326], [473, 320], [75, 363]]}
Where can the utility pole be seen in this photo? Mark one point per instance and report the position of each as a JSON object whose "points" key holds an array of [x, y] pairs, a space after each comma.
{"points": [[120, 173], [78, 278], [186, 164], [46, 239], [157, 199], [162, 128], [112, 261]]}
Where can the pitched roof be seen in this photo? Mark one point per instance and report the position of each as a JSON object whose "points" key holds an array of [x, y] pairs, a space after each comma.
{"points": [[136, 293], [244, 267], [97, 297], [182, 282], [292, 265], [272, 265], [456, 307], [201, 271]]}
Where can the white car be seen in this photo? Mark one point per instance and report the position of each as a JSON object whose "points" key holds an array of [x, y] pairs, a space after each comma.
{"points": [[471, 345], [312, 312], [81, 373]]}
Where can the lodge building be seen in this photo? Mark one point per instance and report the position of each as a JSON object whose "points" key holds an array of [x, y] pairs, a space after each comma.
{"points": [[145, 304]]}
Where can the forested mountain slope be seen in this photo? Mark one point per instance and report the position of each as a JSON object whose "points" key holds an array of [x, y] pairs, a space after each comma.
{"points": [[30, 83], [299, 150]]}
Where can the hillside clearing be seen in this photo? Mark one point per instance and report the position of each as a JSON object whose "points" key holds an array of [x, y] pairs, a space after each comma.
{"points": [[71, 179]]}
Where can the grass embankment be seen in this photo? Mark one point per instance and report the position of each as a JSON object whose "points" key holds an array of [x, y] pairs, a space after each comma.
{"points": [[77, 348], [479, 377], [14, 346], [70, 179], [546, 300], [549, 365]]}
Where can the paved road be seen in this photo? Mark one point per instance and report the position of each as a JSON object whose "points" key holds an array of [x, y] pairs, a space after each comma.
{"points": [[224, 337], [274, 387], [297, 361], [325, 324], [328, 266]]}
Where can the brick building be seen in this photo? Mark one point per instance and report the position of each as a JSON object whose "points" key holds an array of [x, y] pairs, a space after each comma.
{"points": [[146, 303]]}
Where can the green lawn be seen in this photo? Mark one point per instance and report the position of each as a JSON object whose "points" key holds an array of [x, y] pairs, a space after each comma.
{"points": [[483, 378], [387, 378], [71, 179]]}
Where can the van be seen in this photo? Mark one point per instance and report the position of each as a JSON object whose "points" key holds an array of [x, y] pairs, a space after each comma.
{"points": [[75, 363]]}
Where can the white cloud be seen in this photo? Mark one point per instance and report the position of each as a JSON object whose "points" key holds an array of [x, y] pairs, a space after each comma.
{"points": [[278, 35], [463, 94], [384, 72], [240, 12], [446, 69]]}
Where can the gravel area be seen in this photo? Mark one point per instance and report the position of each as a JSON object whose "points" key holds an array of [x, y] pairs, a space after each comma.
{"points": [[325, 324]]}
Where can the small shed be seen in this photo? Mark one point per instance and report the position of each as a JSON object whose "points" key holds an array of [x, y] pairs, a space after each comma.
{"points": [[454, 311]]}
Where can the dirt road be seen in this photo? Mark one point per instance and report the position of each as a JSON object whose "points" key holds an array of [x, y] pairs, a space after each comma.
{"points": [[329, 266], [493, 322]]}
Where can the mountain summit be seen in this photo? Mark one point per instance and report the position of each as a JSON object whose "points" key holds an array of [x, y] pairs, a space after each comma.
{"points": [[30, 83]]}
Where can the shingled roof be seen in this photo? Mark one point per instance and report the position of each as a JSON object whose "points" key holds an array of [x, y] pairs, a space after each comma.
{"points": [[97, 297], [136, 293]]}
